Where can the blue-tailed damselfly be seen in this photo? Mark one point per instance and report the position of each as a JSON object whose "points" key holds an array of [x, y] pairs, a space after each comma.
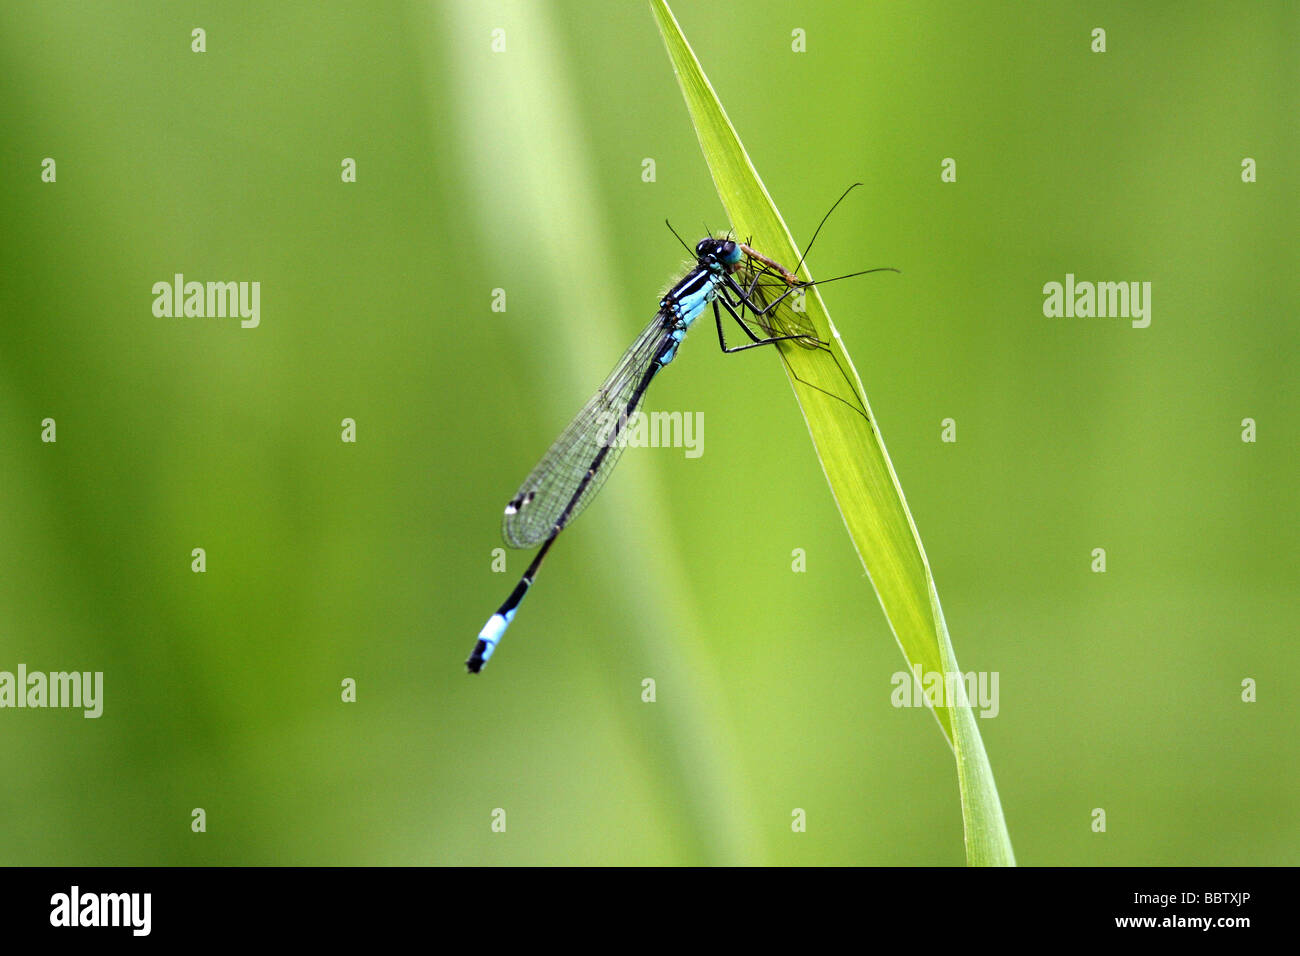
{"points": [[726, 274]]}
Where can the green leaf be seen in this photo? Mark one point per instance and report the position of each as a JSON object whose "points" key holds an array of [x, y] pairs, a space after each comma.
{"points": [[852, 455]]}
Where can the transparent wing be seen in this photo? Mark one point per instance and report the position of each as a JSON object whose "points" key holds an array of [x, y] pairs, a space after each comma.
{"points": [[764, 286], [533, 512]]}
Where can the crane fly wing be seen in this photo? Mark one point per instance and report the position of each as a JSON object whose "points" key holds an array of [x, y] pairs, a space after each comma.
{"points": [[764, 286]]}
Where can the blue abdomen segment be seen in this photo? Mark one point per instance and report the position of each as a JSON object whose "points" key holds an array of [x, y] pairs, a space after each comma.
{"points": [[495, 628], [492, 633], [668, 354]]}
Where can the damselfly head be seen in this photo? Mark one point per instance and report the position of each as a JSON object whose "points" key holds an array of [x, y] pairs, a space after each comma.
{"points": [[722, 251]]}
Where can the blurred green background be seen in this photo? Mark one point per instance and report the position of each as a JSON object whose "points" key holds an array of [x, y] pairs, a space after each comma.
{"points": [[522, 170]]}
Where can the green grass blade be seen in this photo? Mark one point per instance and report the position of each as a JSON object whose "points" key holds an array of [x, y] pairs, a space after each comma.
{"points": [[852, 455]]}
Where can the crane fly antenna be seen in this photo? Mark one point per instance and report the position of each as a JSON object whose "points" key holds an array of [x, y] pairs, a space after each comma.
{"points": [[819, 226]]}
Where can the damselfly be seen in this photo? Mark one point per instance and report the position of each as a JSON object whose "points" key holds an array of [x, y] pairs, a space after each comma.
{"points": [[727, 275]]}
